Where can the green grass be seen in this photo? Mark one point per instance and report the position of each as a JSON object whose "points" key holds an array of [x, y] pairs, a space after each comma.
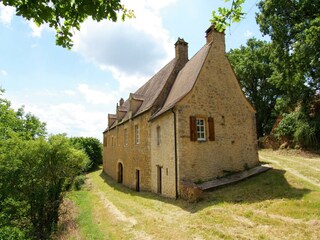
{"points": [[278, 204], [87, 223]]}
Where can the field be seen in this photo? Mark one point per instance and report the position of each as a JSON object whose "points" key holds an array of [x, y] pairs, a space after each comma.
{"points": [[282, 203]]}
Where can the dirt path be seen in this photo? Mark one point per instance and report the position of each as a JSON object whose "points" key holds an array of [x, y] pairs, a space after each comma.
{"points": [[131, 222]]}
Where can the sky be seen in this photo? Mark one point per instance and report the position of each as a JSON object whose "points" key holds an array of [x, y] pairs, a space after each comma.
{"points": [[74, 90]]}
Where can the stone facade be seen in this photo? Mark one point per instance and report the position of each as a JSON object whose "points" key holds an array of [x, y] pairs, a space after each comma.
{"points": [[193, 122]]}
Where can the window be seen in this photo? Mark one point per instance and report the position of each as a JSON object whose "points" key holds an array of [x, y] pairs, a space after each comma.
{"points": [[126, 137], [137, 133], [201, 130], [158, 135], [198, 128]]}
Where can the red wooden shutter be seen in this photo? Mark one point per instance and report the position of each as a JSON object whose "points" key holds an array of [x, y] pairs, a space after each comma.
{"points": [[211, 129], [193, 129]]}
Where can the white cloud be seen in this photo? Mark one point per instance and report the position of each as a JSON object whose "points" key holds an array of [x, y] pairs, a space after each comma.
{"points": [[6, 14], [248, 34], [73, 119], [3, 72], [95, 96], [132, 50], [69, 92], [37, 30], [68, 115]]}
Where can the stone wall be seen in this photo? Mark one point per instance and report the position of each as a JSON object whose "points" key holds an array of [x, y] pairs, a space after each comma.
{"points": [[163, 154], [132, 156], [216, 94]]}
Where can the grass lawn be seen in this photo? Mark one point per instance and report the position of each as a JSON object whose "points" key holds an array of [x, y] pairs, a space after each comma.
{"points": [[282, 203]]}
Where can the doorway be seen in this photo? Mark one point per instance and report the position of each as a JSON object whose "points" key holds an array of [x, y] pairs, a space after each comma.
{"points": [[137, 180], [159, 177], [120, 173]]}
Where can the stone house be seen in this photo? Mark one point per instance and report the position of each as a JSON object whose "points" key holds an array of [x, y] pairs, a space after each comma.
{"points": [[190, 122]]}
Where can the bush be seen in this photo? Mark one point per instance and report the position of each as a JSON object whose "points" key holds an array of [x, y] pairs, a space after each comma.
{"points": [[12, 233], [34, 176], [298, 127], [92, 147], [78, 182], [287, 126]]}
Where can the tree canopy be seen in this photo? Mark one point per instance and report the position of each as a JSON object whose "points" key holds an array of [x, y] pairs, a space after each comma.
{"points": [[91, 146], [294, 27], [36, 170], [253, 65], [227, 15], [65, 16], [18, 123]]}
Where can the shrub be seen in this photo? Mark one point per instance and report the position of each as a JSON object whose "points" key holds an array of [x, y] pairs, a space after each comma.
{"points": [[92, 147], [298, 127], [78, 182]]}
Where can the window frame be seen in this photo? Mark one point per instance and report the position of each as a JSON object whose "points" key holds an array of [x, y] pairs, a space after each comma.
{"points": [[201, 129]]}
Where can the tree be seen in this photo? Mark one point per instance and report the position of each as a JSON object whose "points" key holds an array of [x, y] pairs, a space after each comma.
{"points": [[294, 27], [35, 170], [253, 65], [18, 123], [91, 146], [64, 16], [34, 176], [227, 15]]}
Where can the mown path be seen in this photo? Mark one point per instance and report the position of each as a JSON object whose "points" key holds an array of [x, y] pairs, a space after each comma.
{"points": [[283, 203]]}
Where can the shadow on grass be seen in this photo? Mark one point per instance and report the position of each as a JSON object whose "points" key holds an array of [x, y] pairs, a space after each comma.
{"points": [[270, 185]]}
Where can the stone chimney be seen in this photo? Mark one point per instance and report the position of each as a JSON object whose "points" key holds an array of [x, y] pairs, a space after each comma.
{"points": [[121, 102], [181, 51], [218, 38], [181, 60]]}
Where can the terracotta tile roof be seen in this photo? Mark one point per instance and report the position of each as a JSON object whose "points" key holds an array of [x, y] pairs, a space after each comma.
{"points": [[185, 79]]}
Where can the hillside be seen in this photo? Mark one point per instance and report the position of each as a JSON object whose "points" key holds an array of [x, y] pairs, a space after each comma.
{"points": [[283, 203]]}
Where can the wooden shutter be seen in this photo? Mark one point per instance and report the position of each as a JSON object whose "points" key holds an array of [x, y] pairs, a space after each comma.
{"points": [[193, 128], [211, 129]]}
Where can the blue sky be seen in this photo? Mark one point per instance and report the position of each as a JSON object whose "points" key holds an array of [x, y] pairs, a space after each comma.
{"points": [[73, 91]]}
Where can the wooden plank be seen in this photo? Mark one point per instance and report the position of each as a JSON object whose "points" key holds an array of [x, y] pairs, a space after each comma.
{"points": [[233, 178]]}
